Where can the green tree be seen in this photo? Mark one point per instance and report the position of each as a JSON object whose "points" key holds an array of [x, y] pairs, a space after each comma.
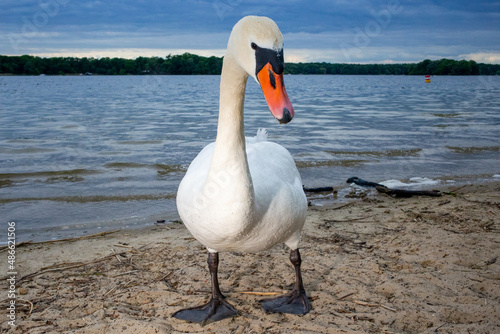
{"points": [[193, 64]]}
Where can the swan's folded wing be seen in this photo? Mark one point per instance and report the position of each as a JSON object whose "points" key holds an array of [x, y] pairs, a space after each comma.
{"points": [[261, 136]]}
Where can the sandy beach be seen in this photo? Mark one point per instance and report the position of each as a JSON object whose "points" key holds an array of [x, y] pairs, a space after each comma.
{"points": [[376, 265]]}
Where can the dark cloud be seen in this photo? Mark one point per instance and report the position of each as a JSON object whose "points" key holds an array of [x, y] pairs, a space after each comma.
{"points": [[434, 28]]}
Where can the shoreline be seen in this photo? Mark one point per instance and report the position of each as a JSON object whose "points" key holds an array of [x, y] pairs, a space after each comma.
{"points": [[377, 264], [343, 193]]}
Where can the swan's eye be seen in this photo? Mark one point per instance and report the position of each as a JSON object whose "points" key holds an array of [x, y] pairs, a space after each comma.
{"points": [[254, 46]]}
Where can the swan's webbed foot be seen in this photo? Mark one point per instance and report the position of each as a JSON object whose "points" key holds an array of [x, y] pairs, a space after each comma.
{"points": [[216, 309], [294, 302]]}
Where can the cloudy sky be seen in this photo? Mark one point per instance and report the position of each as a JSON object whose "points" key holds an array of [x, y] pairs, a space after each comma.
{"points": [[339, 31]]}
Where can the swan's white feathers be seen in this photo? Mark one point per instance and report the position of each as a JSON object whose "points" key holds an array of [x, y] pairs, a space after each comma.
{"points": [[261, 136], [279, 209]]}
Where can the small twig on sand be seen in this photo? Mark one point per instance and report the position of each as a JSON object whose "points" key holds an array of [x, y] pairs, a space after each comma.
{"points": [[360, 302], [457, 189], [123, 246], [345, 296], [107, 293], [437, 328], [117, 257], [388, 308], [256, 293], [74, 308], [30, 303], [341, 206], [346, 220]]}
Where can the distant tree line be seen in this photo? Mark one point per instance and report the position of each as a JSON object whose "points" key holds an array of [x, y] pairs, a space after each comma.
{"points": [[194, 64], [431, 67], [179, 64]]}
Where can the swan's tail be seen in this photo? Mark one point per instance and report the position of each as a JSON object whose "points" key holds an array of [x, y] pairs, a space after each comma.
{"points": [[261, 135]]}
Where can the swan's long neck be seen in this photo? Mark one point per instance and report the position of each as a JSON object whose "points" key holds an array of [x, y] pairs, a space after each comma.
{"points": [[230, 142], [229, 166]]}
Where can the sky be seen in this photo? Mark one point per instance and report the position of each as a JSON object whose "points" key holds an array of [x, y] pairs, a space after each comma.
{"points": [[336, 31]]}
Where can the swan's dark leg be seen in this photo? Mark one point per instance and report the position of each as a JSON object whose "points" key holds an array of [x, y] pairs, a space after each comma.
{"points": [[294, 302], [217, 308]]}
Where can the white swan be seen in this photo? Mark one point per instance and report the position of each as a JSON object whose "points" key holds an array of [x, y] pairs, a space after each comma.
{"points": [[246, 194]]}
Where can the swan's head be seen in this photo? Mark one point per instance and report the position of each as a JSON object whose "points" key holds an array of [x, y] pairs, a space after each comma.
{"points": [[256, 44]]}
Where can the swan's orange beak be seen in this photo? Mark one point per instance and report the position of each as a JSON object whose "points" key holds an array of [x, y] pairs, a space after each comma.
{"points": [[274, 91]]}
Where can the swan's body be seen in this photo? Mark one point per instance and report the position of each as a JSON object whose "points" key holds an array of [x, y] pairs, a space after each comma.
{"points": [[246, 194], [224, 217]]}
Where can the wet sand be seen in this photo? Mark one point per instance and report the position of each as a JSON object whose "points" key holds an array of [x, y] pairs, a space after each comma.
{"points": [[376, 265]]}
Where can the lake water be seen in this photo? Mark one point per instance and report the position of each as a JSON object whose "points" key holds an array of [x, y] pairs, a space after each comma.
{"points": [[92, 153]]}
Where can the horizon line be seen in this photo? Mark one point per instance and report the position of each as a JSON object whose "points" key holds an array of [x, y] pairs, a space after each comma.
{"points": [[385, 62]]}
